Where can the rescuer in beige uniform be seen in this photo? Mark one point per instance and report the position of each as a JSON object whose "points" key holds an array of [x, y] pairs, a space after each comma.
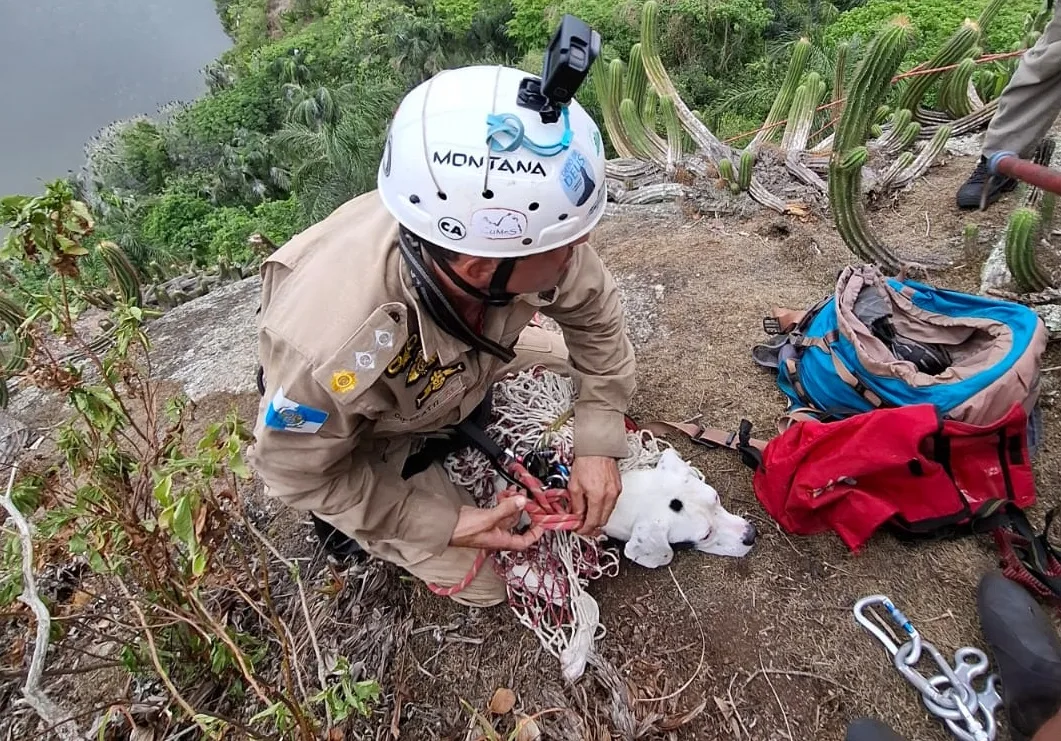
{"points": [[389, 320]]}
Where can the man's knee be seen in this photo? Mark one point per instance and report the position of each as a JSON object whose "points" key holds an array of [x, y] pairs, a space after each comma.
{"points": [[452, 567], [539, 346]]}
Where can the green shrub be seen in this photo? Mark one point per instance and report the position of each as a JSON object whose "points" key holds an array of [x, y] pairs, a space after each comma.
{"points": [[934, 21]]}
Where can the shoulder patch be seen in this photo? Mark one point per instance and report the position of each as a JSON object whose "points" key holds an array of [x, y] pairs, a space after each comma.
{"points": [[373, 347], [290, 416]]}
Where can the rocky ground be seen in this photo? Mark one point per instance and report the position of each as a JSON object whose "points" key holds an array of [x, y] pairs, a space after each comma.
{"points": [[783, 657]]}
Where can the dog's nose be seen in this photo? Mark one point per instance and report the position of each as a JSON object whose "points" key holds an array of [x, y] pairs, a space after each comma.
{"points": [[749, 535]]}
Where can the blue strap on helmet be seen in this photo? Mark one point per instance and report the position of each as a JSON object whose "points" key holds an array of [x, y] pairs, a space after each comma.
{"points": [[511, 125]]}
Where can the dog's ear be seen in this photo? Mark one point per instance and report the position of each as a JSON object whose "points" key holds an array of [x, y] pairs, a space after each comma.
{"points": [[648, 545], [671, 461]]}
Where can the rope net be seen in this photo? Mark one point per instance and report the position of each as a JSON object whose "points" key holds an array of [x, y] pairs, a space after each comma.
{"points": [[546, 584]]}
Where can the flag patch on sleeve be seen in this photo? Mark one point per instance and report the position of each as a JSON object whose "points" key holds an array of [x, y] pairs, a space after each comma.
{"points": [[290, 416]]}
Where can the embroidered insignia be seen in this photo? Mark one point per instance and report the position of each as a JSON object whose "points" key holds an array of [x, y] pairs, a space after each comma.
{"points": [[437, 380], [420, 368], [343, 381], [402, 359], [290, 416]]}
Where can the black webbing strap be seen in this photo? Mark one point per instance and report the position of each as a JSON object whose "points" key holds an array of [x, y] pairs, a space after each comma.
{"points": [[440, 309]]}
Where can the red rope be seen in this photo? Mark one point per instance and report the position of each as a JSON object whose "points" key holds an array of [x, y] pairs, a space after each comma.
{"points": [[548, 509]]}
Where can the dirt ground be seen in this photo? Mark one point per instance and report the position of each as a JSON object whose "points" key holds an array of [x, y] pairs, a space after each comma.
{"points": [[784, 658], [782, 645]]}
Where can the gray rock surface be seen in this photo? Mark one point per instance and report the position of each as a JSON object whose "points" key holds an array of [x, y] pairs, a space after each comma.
{"points": [[209, 345]]}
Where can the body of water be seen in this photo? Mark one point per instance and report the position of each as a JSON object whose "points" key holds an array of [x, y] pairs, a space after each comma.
{"points": [[70, 67]]}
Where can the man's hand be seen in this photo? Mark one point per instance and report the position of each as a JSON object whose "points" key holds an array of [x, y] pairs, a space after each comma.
{"points": [[594, 487], [492, 528]]}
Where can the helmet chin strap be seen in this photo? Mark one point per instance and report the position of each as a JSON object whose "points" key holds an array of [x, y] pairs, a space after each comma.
{"points": [[438, 305], [495, 295]]}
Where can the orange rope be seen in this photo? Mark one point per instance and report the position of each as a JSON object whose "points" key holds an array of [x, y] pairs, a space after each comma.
{"points": [[915, 72]]}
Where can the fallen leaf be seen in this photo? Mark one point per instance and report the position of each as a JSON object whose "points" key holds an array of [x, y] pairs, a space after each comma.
{"points": [[336, 734], [527, 729], [80, 599], [503, 701], [142, 733], [674, 722]]}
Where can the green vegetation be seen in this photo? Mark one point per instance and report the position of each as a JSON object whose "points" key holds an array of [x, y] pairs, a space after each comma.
{"points": [[293, 122]]}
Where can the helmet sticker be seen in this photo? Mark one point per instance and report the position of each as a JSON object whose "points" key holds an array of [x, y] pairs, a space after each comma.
{"points": [[596, 141], [575, 178], [498, 223], [597, 203], [452, 228]]}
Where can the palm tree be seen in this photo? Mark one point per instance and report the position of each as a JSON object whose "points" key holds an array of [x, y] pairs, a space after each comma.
{"points": [[313, 108], [335, 160]]}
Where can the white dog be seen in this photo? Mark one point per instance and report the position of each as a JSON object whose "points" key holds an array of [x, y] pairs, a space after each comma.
{"points": [[669, 505]]}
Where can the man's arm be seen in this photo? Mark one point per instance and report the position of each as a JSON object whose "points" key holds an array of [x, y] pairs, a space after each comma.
{"points": [[588, 310], [330, 467]]}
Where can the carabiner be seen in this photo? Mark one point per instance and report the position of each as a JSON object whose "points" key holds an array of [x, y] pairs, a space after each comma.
{"points": [[897, 617]]}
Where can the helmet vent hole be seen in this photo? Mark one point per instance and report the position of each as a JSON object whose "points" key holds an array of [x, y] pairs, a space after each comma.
{"points": [[527, 240], [563, 216], [441, 196], [488, 193], [533, 206], [414, 199]]}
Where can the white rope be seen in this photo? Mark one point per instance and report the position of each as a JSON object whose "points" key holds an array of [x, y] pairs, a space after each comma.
{"points": [[547, 583]]}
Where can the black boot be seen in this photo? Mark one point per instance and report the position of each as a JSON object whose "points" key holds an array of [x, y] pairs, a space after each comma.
{"points": [[1026, 650], [870, 729], [972, 189], [336, 543]]}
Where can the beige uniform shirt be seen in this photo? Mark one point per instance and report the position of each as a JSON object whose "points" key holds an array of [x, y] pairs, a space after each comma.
{"points": [[355, 370]]}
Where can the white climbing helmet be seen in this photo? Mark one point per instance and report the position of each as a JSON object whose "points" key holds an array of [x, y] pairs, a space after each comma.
{"points": [[467, 168]]}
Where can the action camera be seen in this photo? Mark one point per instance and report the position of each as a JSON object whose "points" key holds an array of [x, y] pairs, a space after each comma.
{"points": [[569, 56]]}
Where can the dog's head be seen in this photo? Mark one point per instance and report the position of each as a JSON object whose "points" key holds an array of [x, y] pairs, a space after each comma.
{"points": [[668, 505]]}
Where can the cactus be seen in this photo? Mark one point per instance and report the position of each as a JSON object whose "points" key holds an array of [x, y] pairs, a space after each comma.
{"points": [[1022, 235], [122, 270], [867, 90], [649, 109], [675, 135], [636, 81], [638, 135], [1047, 208], [657, 75], [783, 101], [801, 115], [909, 134], [881, 114], [988, 14], [608, 81], [876, 131], [952, 52], [954, 90], [839, 73], [744, 174], [725, 171], [971, 241], [14, 316]]}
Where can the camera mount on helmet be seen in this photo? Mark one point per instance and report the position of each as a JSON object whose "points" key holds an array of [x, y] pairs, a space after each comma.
{"points": [[572, 51]]}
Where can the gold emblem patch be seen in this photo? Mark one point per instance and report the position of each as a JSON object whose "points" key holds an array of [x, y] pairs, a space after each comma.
{"points": [[420, 368], [437, 380], [402, 359], [343, 381]]}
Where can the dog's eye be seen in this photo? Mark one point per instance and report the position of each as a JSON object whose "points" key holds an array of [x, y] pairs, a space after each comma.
{"points": [[676, 505]]}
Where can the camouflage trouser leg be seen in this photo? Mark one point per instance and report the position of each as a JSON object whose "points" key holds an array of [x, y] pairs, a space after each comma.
{"points": [[1031, 101], [535, 346]]}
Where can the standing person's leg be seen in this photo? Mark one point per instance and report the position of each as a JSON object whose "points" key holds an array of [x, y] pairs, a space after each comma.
{"points": [[1027, 109]]}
